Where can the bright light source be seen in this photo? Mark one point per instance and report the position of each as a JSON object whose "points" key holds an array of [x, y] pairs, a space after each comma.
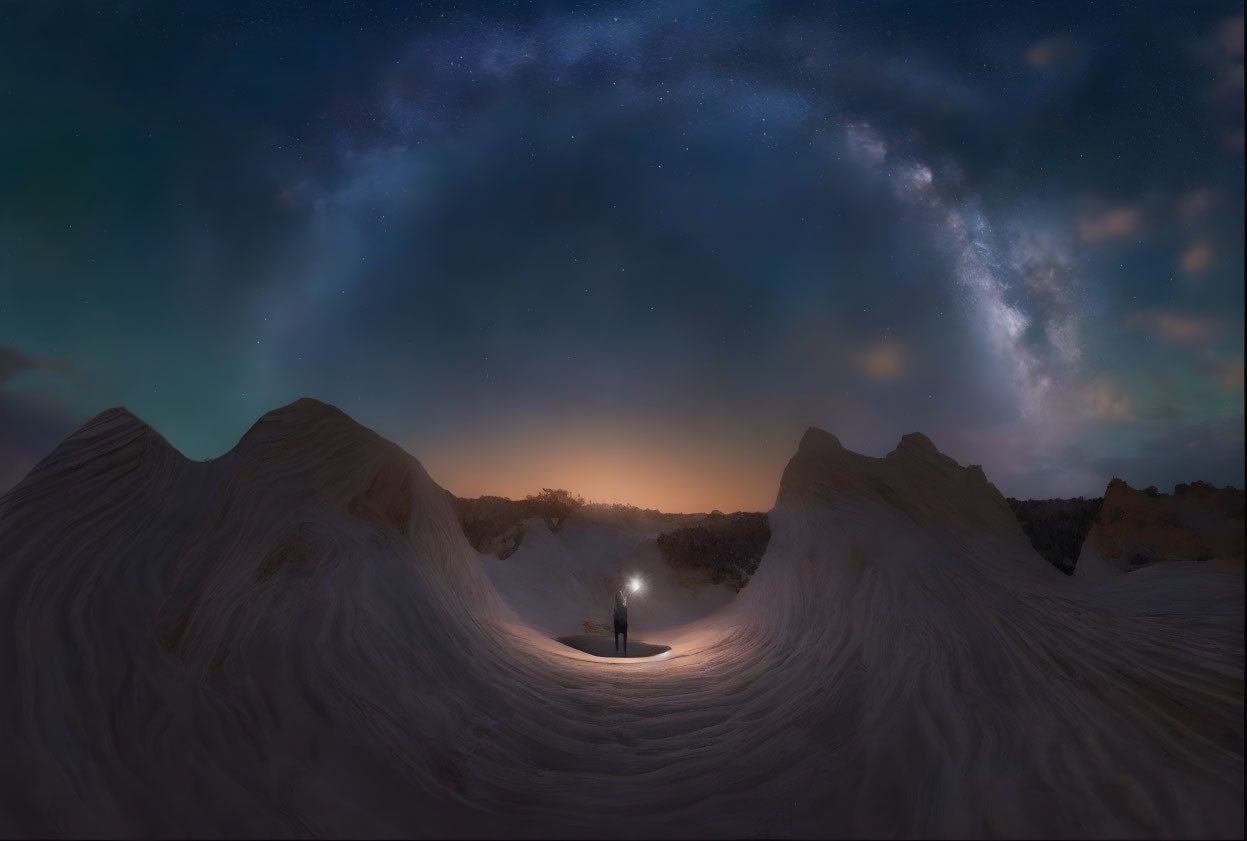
{"points": [[635, 585]]}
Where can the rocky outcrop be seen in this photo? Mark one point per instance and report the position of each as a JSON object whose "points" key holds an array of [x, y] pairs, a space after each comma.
{"points": [[1136, 528], [175, 626], [915, 479], [947, 642], [296, 639]]}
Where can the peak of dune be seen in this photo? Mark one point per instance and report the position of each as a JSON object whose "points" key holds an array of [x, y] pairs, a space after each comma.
{"points": [[916, 442], [918, 448], [305, 410], [819, 455], [116, 418], [114, 413], [309, 432], [301, 435], [114, 437], [305, 415], [304, 457], [928, 489], [312, 453], [816, 443], [306, 491], [817, 440]]}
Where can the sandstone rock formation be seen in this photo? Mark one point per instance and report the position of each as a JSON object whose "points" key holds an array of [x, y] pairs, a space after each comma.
{"points": [[297, 639], [1134, 528]]}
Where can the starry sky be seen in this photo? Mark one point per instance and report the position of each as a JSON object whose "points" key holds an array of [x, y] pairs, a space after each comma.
{"points": [[633, 249]]}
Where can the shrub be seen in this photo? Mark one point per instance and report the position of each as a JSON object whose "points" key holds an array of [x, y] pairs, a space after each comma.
{"points": [[1057, 527], [720, 549], [495, 524], [553, 506]]}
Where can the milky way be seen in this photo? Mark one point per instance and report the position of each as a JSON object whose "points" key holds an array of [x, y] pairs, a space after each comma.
{"points": [[559, 244]]}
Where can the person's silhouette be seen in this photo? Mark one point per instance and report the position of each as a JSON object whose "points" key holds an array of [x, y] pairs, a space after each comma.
{"points": [[621, 620]]}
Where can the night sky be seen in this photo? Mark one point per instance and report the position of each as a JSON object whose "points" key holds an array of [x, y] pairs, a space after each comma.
{"points": [[633, 249]]}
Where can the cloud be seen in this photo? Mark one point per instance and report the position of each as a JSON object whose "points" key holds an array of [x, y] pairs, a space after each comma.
{"points": [[1225, 372], [1110, 224], [1050, 52], [1197, 257], [1174, 326], [885, 361], [1195, 203], [1229, 35], [14, 362], [1107, 403], [1222, 51]]}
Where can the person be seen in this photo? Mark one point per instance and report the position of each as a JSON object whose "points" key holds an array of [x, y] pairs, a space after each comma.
{"points": [[621, 620]]}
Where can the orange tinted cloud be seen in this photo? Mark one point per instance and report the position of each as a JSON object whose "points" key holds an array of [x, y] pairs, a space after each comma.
{"points": [[1049, 51], [1175, 326], [1112, 224], [1194, 204], [1223, 51], [1232, 378], [1227, 373], [1230, 35], [884, 362], [1197, 257], [1107, 403]]}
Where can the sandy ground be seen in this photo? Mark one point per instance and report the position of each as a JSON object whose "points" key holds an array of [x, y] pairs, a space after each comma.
{"points": [[296, 640]]}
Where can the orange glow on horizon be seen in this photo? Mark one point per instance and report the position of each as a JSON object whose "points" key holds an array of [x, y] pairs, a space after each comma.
{"points": [[659, 469]]}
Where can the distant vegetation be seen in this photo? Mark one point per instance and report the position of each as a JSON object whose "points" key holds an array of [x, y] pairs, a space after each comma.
{"points": [[625, 513], [700, 549], [719, 549], [1057, 527], [553, 506], [495, 524]]}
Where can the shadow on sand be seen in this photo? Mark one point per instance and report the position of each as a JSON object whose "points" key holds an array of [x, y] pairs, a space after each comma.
{"points": [[605, 646]]}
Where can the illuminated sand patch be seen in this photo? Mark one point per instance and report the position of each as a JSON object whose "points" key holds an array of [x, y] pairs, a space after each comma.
{"points": [[605, 647]]}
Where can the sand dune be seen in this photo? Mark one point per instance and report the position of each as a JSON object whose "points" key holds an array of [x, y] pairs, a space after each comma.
{"points": [[296, 639]]}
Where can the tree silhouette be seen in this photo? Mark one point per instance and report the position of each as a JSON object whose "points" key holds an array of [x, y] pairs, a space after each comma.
{"points": [[553, 505]]}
